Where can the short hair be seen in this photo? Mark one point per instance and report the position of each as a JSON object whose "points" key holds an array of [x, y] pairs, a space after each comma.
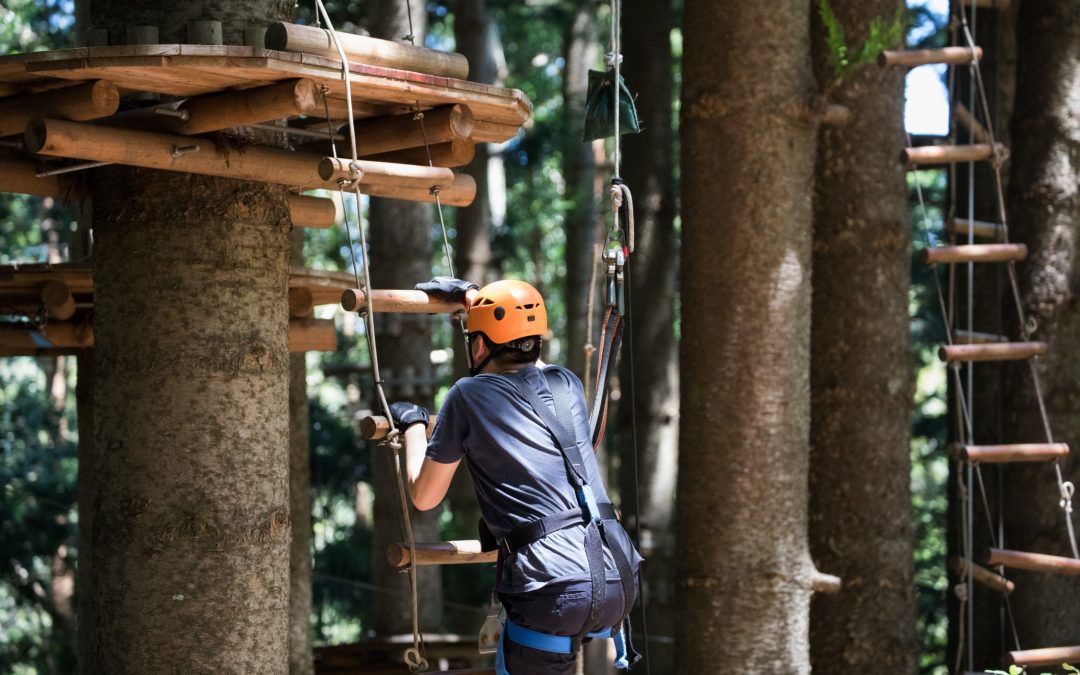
{"points": [[522, 350]]}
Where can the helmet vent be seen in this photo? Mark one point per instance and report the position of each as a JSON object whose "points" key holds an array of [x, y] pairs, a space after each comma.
{"points": [[528, 306]]}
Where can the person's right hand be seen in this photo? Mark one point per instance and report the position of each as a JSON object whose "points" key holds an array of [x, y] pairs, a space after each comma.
{"points": [[448, 289]]}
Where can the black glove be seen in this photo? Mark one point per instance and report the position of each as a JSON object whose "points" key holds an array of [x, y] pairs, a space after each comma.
{"points": [[406, 414], [447, 288]]}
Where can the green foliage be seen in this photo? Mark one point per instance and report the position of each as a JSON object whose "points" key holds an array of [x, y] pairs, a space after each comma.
{"points": [[843, 59]]}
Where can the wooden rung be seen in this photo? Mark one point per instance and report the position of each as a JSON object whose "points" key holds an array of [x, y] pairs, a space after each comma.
{"points": [[950, 154], [1047, 656], [974, 253], [922, 57], [88, 101], [366, 50], [371, 173], [1017, 452], [979, 133], [461, 193], [966, 337], [57, 298], [960, 227], [317, 212], [376, 427], [401, 132], [440, 553], [1002, 351], [401, 301], [1033, 562], [450, 154], [983, 576]]}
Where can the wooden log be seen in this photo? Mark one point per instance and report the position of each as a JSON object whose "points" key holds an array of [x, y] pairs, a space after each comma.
{"points": [[292, 37], [461, 193], [982, 576], [964, 337], [371, 173], [825, 583], [921, 57], [317, 212], [141, 35], [21, 178], [440, 553], [402, 301], [59, 302], [1015, 452], [450, 154], [486, 131], [1033, 562], [205, 32], [1001, 351], [949, 154], [979, 133], [401, 132], [960, 227], [301, 303], [87, 101], [376, 427], [236, 108], [312, 335], [1047, 656], [974, 253]]}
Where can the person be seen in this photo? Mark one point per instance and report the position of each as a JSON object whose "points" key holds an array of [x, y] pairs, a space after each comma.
{"points": [[567, 571]]}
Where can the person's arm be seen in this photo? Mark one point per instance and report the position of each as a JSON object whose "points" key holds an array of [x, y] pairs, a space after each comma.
{"points": [[428, 480]]}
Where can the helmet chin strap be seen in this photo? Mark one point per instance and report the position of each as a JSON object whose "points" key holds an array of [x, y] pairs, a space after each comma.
{"points": [[493, 351]]}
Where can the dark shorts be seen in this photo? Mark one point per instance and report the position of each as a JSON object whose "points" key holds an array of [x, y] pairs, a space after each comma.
{"points": [[558, 609]]}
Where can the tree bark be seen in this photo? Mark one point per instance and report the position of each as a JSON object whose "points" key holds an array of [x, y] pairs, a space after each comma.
{"points": [[582, 52], [747, 166], [401, 256], [649, 163], [84, 413], [861, 381], [1044, 213]]}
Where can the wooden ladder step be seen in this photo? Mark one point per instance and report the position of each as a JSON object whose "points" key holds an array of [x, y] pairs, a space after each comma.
{"points": [[982, 229], [983, 576], [376, 427], [923, 57], [401, 301], [1018, 452], [1047, 656], [1033, 562], [950, 154], [1001, 351], [966, 337], [974, 253], [440, 553]]}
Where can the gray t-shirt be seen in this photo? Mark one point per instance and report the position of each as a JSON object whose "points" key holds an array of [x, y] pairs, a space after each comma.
{"points": [[519, 472]]}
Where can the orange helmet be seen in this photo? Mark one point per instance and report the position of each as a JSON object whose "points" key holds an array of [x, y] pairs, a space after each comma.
{"points": [[508, 310]]}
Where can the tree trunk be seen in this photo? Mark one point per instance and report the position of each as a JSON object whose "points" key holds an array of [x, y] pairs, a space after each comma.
{"points": [[582, 52], [649, 163], [401, 255], [84, 413], [1044, 213], [861, 381], [301, 660], [747, 168]]}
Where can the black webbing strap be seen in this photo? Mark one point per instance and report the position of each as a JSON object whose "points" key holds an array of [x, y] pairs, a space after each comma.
{"points": [[526, 534], [610, 342]]}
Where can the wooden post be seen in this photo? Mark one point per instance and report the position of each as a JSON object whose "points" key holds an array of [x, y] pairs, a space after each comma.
{"points": [[948, 154], [141, 35], [1033, 562], [403, 301], [57, 298], [450, 154], [367, 50], [961, 226], [922, 57], [982, 576], [976, 253], [334, 169], [317, 212], [376, 427], [1047, 656], [87, 101], [21, 178], [1001, 351], [380, 135], [205, 32], [1017, 452], [301, 303], [440, 553]]}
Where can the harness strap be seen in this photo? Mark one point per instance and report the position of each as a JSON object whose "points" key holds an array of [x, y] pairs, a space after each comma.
{"points": [[526, 534]]}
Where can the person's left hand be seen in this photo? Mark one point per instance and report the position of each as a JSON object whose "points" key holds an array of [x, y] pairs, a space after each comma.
{"points": [[448, 289], [406, 414]]}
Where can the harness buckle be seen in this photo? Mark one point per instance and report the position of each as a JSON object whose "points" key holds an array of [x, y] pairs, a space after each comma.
{"points": [[587, 500]]}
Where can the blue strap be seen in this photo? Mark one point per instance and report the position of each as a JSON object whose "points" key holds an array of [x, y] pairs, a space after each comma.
{"points": [[545, 642]]}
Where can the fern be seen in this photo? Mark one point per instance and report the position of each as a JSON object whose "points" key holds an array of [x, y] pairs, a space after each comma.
{"points": [[841, 58], [835, 40]]}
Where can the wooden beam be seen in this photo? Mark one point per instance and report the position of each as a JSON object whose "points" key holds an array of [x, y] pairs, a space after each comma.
{"points": [[21, 178], [979, 228], [316, 212], [371, 173], [922, 57], [312, 335], [1001, 351], [486, 131], [440, 553], [87, 101], [376, 427], [1047, 656], [237, 108], [1033, 562], [451, 154], [949, 154], [982, 576], [292, 37], [400, 132], [401, 301], [57, 298], [1015, 452], [974, 253]]}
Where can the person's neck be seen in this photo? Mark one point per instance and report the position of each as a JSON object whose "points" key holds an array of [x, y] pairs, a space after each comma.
{"points": [[509, 368]]}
